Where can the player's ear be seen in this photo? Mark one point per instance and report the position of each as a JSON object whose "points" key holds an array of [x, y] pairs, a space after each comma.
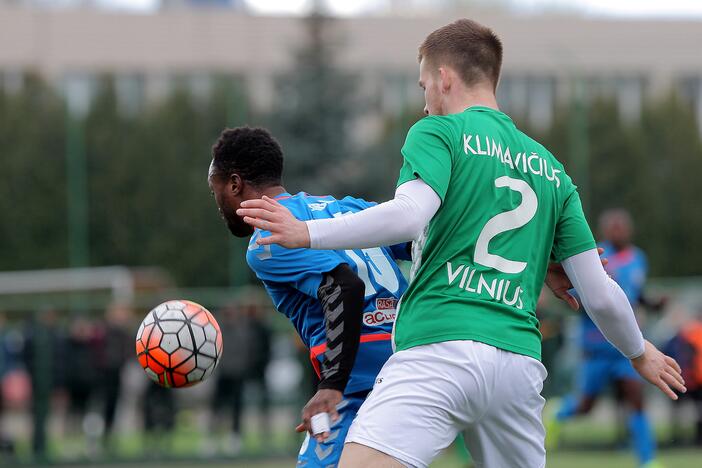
{"points": [[236, 184], [445, 79]]}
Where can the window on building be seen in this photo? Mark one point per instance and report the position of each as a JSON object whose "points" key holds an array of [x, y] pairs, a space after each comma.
{"points": [[79, 90], [528, 97], [627, 91], [690, 90], [130, 91]]}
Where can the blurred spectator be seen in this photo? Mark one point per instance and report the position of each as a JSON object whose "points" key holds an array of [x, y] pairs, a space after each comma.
{"points": [[247, 352], [159, 418], [80, 371], [45, 358], [116, 347], [13, 379], [260, 357], [232, 371], [686, 348]]}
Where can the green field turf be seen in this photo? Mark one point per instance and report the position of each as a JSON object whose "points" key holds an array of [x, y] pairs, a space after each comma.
{"points": [[183, 449], [565, 459]]}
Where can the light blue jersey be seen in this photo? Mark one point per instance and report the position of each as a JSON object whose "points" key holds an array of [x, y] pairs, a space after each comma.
{"points": [[293, 276]]}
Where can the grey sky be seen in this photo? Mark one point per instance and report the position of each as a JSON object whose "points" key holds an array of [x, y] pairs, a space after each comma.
{"points": [[618, 8]]}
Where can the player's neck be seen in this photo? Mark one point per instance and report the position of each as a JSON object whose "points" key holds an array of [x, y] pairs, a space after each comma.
{"points": [[272, 191], [471, 98]]}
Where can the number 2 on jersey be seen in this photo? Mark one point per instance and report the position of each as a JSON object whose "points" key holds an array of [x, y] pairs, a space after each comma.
{"points": [[506, 221]]}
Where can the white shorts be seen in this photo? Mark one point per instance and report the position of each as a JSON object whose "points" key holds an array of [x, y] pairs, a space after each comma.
{"points": [[424, 396]]}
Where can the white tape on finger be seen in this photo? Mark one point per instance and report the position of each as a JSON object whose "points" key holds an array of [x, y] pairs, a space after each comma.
{"points": [[320, 423]]}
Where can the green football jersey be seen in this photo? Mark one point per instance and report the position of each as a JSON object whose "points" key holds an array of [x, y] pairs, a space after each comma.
{"points": [[507, 208]]}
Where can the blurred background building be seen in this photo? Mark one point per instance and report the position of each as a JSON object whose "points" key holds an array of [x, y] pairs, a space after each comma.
{"points": [[198, 40], [108, 110]]}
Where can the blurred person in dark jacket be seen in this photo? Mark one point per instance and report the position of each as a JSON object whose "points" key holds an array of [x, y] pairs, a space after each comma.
{"points": [[81, 369], [232, 371], [46, 358], [260, 357], [159, 410], [116, 347]]}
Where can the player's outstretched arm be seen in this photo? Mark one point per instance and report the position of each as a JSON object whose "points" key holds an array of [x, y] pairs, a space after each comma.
{"points": [[341, 294], [607, 305], [398, 220]]}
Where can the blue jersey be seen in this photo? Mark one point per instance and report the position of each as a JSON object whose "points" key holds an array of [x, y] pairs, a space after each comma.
{"points": [[292, 277], [628, 268]]}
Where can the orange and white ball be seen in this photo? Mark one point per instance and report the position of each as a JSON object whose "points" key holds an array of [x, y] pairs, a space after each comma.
{"points": [[179, 344]]}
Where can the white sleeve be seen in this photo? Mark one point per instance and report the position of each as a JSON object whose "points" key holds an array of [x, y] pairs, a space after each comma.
{"points": [[401, 219], [605, 302]]}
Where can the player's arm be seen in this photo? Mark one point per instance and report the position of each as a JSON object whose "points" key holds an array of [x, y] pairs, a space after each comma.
{"points": [[608, 307], [398, 220], [605, 302], [401, 219], [325, 276], [341, 294], [603, 299]]}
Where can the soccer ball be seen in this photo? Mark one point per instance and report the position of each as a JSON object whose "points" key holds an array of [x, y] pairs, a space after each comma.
{"points": [[179, 344]]}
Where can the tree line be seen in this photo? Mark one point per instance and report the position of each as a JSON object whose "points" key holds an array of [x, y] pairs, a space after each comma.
{"points": [[148, 203]]}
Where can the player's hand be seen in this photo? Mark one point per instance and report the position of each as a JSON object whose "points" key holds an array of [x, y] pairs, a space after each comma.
{"points": [[324, 401], [661, 370], [269, 215], [558, 282]]}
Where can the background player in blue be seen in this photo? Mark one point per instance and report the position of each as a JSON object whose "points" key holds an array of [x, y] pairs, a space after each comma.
{"points": [[602, 363], [342, 303]]}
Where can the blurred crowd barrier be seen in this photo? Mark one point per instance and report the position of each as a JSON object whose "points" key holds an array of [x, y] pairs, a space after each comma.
{"points": [[71, 388]]}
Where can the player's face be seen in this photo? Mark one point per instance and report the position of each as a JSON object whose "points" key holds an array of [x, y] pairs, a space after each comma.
{"points": [[430, 82], [617, 230], [228, 197]]}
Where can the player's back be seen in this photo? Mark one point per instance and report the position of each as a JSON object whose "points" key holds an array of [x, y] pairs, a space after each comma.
{"points": [[293, 276], [506, 207]]}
